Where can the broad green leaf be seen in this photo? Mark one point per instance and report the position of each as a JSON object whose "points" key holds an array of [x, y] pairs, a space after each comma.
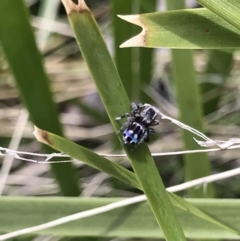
{"points": [[17, 40], [134, 221], [115, 170], [184, 29], [228, 10]]}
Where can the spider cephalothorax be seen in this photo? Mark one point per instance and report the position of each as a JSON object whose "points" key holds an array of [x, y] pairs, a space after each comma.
{"points": [[137, 128]]}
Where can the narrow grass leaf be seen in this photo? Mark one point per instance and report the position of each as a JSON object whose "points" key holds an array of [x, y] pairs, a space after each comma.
{"points": [[121, 31], [190, 108], [218, 68], [189, 103], [200, 29], [228, 10], [198, 212], [17, 40], [90, 158], [146, 57], [116, 103], [117, 223], [47, 10]]}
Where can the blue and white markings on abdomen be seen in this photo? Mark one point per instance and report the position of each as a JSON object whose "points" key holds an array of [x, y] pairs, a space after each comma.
{"points": [[137, 128], [132, 133]]}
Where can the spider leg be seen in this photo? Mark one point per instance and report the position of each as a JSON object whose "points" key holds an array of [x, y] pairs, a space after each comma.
{"points": [[140, 106], [123, 116], [151, 130], [126, 124], [147, 134], [154, 123], [145, 137]]}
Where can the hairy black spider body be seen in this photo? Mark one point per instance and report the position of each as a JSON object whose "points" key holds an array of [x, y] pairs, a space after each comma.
{"points": [[137, 128]]}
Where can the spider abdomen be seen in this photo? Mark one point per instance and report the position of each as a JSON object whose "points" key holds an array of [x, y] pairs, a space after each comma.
{"points": [[133, 134]]}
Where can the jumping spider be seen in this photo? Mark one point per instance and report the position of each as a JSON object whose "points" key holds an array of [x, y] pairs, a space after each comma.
{"points": [[137, 128]]}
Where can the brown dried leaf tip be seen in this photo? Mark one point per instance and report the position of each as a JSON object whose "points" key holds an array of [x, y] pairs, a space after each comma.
{"points": [[140, 39], [70, 6], [41, 136]]}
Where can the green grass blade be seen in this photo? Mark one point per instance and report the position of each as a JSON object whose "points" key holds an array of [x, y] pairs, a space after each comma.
{"points": [[152, 185], [115, 170], [184, 205], [135, 221], [47, 10], [17, 40], [228, 10], [218, 68], [188, 98], [146, 56], [90, 158], [200, 28], [116, 103], [128, 60], [99, 62], [190, 107], [121, 31]]}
